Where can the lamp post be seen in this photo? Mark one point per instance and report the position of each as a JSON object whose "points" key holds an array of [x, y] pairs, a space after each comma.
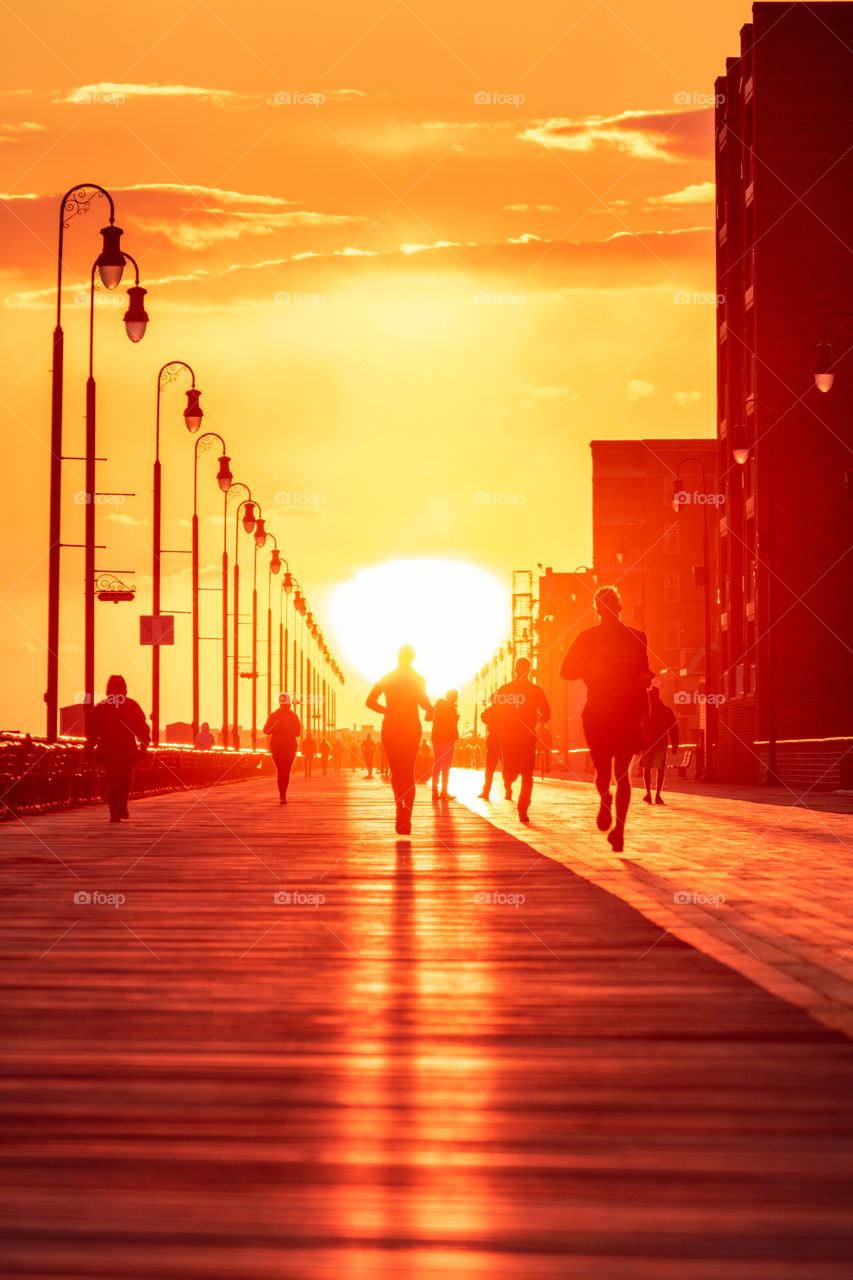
{"points": [[283, 633], [192, 418], [135, 322], [224, 479], [260, 535], [678, 501], [274, 567], [247, 506], [77, 200], [823, 371]]}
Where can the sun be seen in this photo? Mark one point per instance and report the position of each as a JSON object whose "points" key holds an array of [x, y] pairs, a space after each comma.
{"points": [[453, 613]]}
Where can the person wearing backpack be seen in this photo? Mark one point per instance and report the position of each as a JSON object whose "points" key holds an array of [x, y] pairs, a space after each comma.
{"points": [[117, 724]]}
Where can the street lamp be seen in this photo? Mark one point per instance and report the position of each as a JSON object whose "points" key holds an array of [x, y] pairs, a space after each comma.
{"points": [[679, 498], [249, 520], [108, 272], [168, 373], [283, 636], [225, 480], [77, 200], [823, 373], [274, 567]]}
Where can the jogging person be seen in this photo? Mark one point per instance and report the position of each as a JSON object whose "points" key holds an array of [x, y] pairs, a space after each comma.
{"points": [[490, 717], [659, 728], [405, 694], [445, 733], [284, 728], [368, 750], [613, 662], [523, 705]]}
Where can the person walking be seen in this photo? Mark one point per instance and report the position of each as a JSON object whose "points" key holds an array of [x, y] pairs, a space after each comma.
{"points": [[613, 662], [337, 754], [523, 705], [368, 751], [115, 727], [445, 733], [309, 750], [204, 739], [659, 728], [405, 695], [490, 717], [284, 729], [325, 751]]}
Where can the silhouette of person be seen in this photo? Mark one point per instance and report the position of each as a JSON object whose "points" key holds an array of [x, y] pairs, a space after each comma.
{"points": [[404, 692], [613, 662], [522, 706], [116, 724], [337, 754], [368, 751], [284, 728], [445, 733], [490, 716], [309, 750], [204, 739], [659, 726], [325, 751]]}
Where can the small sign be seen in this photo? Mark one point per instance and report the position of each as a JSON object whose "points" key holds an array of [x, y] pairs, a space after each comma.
{"points": [[157, 628]]}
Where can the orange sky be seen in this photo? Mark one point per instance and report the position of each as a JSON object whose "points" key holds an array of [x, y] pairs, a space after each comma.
{"points": [[554, 160]]}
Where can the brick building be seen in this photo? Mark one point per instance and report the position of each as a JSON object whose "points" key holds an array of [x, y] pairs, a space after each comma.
{"points": [[784, 169]]}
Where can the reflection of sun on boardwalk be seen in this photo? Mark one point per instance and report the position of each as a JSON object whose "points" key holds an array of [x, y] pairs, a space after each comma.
{"points": [[444, 1057]]}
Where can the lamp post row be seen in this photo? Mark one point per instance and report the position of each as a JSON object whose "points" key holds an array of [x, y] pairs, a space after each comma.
{"points": [[109, 266]]}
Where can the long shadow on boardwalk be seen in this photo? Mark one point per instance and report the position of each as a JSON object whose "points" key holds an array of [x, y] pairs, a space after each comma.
{"points": [[419, 1075]]}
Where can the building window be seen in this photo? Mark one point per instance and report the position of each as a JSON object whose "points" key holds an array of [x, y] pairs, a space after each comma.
{"points": [[671, 635], [670, 542], [671, 588]]}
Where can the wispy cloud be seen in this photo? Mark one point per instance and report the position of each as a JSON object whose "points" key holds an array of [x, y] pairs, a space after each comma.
{"points": [[696, 193], [649, 135]]}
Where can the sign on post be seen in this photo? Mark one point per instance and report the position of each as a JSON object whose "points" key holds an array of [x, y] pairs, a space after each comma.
{"points": [[157, 628]]}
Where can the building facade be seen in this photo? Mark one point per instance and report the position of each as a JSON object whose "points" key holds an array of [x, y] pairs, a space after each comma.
{"points": [[784, 172]]}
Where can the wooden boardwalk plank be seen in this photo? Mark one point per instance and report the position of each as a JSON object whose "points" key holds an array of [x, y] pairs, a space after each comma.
{"points": [[420, 1075]]}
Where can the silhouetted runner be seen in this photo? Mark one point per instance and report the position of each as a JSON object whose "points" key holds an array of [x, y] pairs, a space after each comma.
{"points": [[522, 706], [445, 732], [284, 728], [115, 726], [613, 662], [325, 751], [659, 727], [405, 693], [368, 751], [490, 716], [309, 750]]}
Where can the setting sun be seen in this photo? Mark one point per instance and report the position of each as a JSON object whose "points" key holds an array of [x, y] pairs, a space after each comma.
{"points": [[453, 613]]}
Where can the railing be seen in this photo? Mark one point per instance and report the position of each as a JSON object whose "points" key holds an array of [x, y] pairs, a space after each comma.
{"points": [[41, 777]]}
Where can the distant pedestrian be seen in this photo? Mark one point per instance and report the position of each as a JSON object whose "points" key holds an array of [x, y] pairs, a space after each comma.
{"points": [[368, 751], [325, 752], [491, 717], [523, 705], [337, 754], [204, 739], [284, 729], [659, 728], [115, 727], [613, 662], [445, 733], [309, 751], [405, 694]]}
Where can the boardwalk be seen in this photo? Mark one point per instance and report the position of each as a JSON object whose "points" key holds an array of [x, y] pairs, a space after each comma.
{"points": [[397, 1069]]}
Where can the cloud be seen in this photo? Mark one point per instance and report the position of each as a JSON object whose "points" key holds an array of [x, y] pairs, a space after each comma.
{"points": [[670, 136], [12, 132], [683, 398], [113, 93], [637, 390], [534, 395], [523, 208], [696, 193]]}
